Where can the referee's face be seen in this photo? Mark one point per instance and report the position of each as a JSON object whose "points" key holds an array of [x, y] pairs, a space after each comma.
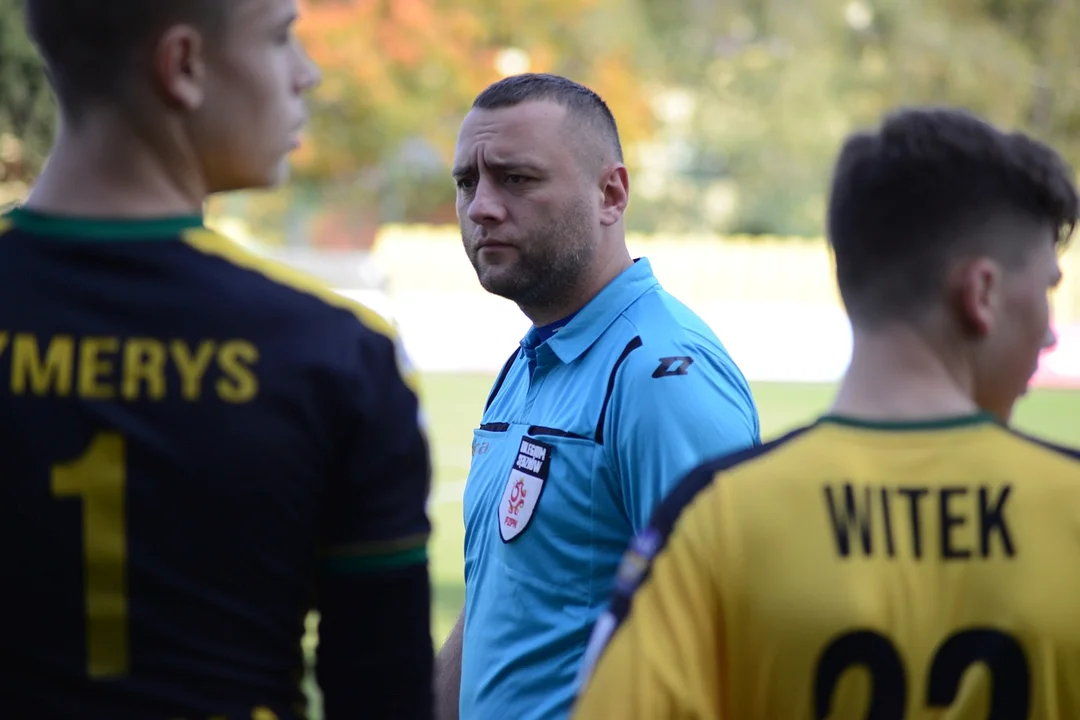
{"points": [[529, 223]]}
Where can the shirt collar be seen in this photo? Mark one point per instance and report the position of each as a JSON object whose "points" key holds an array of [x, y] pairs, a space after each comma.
{"points": [[101, 228], [591, 321]]}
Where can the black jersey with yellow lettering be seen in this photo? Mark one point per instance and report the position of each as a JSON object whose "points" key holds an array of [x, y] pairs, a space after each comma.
{"points": [[196, 447], [853, 570]]}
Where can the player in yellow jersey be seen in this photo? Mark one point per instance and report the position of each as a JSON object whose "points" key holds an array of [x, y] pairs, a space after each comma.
{"points": [[907, 555]]}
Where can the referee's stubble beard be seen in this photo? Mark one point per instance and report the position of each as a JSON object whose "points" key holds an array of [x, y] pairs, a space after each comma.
{"points": [[543, 260]]}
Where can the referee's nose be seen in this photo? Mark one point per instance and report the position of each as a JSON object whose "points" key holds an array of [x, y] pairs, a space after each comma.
{"points": [[486, 207]]}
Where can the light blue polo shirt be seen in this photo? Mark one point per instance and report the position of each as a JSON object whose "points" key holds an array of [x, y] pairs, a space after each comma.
{"points": [[585, 431]]}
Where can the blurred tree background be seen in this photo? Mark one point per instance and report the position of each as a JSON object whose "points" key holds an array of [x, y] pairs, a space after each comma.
{"points": [[731, 110], [27, 111]]}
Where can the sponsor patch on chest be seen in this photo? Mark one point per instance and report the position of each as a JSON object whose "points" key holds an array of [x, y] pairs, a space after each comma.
{"points": [[524, 487]]}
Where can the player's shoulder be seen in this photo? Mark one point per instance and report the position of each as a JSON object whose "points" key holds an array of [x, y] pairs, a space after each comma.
{"points": [[309, 296], [1045, 448]]}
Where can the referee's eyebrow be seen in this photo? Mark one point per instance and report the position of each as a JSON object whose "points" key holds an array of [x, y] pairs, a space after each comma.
{"points": [[461, 171], [506, 168]]}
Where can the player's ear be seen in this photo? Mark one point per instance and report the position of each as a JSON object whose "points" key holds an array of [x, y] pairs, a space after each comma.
{"points": [[976, 287], [615, 186], [180, 67]]}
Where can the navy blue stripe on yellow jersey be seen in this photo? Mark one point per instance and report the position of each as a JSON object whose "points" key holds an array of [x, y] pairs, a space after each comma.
{"points": [[583, 434], [199, 445], [934, 560]]}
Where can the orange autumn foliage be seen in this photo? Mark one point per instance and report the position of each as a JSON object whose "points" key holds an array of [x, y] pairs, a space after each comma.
{"points": [[400, 69]]}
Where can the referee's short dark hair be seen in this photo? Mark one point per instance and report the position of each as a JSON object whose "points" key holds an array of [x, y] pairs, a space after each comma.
{"points": [[578, 100], [931, 184], [92, 48]]}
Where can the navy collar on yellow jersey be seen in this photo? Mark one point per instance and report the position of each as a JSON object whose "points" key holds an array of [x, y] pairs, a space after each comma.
{"points": [[83, 228], [943, 423], [591, 321]]}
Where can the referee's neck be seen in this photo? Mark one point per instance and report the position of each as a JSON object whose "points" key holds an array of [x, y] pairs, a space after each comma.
{"points": [[596, 278]]}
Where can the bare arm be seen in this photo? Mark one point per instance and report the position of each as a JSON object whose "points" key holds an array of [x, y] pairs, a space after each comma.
{"points": [[448, 673]]}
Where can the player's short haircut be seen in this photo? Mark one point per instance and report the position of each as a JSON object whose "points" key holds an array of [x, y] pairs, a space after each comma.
{"points": [[931, 185], [91, 48], [579, 101]]}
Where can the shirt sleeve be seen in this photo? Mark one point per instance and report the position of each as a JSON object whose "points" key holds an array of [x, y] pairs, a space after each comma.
{"points": [[658, 650], [671, 412], [377, 513], [375, 654]]}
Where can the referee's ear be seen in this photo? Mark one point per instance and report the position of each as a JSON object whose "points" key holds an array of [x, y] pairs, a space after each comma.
{"points": [[615, 189]]}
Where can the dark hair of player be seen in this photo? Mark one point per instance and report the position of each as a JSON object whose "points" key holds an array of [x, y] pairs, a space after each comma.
{"points": [[931, 185], [91, 48], [579, 101]]}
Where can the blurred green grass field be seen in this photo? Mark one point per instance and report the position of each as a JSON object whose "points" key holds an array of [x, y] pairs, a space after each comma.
{"points": [[453, 405]]}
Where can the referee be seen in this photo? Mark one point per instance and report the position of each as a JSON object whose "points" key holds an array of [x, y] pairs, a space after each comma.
{"points": [[616, 392]]}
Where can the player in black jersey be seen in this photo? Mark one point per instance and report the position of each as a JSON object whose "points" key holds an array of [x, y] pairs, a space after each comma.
{"points": [[196, 446]]}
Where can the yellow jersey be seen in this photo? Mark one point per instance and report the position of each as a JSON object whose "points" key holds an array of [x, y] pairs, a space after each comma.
{"points": [[853, 570]]}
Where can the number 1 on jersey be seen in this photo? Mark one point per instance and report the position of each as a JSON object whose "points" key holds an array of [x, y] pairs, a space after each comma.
{"points": [[98, 477]]}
